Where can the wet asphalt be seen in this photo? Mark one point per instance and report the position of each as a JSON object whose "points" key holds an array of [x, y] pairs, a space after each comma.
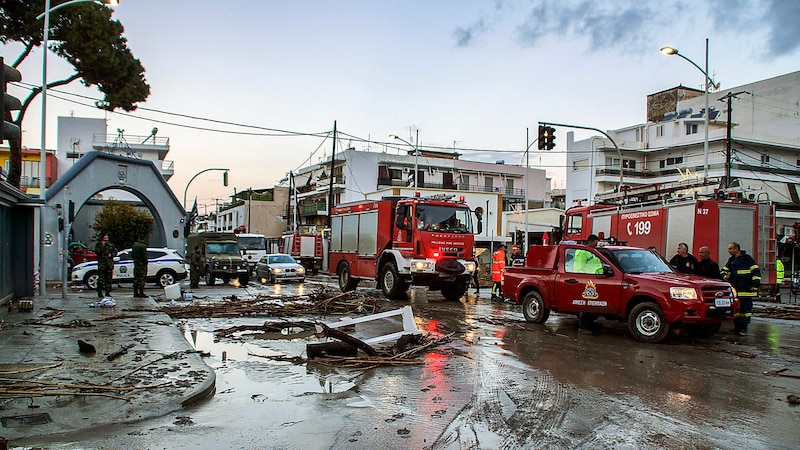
{"points": [[498, 383]]}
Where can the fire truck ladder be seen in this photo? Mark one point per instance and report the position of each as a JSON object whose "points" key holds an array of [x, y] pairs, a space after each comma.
{"points": [[655, 189]]}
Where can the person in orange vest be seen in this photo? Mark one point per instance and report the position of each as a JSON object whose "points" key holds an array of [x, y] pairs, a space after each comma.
{"points": [[498, 264]]}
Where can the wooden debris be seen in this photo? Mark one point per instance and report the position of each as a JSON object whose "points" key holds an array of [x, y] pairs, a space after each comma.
{"points": [[738, 353], [383, 357], [321, 300], [778, 311], [776, 371], [346, 338], [793, 399], [324, 349]]}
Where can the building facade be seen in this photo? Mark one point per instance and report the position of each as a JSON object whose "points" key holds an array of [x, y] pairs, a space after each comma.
{"points": [[761, 158]]}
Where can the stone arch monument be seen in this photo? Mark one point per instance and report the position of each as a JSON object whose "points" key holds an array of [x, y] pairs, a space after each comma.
{"points": [[96, 172]]}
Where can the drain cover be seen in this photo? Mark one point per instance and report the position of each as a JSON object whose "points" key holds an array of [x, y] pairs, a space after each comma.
{"points": [[27, 419]]}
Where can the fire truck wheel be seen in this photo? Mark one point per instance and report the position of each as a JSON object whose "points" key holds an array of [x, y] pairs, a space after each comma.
{"points": [[393, 287], [647, 323], [346, 282], [703, 330], [453, 292], [533, 308]]}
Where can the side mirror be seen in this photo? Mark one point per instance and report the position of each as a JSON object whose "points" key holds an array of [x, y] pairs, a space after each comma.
{"points": [[116, 258], [607, 270]]}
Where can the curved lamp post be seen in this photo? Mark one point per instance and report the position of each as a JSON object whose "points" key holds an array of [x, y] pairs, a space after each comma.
{"points": [[43, 156], [708, 82], [195, 176], [416, 154]]}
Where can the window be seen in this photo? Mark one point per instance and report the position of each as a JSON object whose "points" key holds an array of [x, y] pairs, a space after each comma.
{"points": [[463, 182], [628, 164], [691, 128], [671, 161], [582, 261], [488, 184], [581, 164], [660, 131], [509, 185], [396, 174]]}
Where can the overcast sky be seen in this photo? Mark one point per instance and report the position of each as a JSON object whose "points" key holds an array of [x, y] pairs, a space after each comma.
{"points": [[469, 74]]}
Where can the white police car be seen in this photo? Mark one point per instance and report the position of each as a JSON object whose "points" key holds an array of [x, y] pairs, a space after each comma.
{"points": [[164, 267]]}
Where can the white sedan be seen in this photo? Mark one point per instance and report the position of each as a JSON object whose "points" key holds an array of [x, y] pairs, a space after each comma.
{"points": [[279, 267], [164, 267]]}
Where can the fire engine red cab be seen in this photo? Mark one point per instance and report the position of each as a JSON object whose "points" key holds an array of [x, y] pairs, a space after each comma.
{"points": [[402, 241]]}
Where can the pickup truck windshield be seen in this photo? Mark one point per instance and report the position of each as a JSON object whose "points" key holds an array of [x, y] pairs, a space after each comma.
{"points": [[444, 219], [639, 261]]}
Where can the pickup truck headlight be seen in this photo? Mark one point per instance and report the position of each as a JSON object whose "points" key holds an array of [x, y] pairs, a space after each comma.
{"points": [[683, 293]]}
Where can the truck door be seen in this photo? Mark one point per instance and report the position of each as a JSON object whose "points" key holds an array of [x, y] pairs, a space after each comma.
{"points": [[582, 287]]}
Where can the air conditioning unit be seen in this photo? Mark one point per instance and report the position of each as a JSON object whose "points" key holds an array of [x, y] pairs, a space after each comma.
{"points": [[406, 170], [433, 170]]}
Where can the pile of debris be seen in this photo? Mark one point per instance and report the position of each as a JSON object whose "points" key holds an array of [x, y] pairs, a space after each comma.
{"points": [[778, 311], [320, 301]]}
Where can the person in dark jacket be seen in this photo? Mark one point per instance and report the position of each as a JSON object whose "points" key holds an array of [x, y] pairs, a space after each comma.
{"points": [[196, 267], [139, 255], [106, 252], [706, 267], [683, 261], [742, 272]]}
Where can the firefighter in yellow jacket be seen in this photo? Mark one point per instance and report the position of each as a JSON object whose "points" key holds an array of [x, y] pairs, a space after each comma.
{"points": [[742, 272]]}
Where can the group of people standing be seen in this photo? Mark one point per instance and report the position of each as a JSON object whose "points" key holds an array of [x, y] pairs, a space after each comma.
{"points": [[499, 262], [741, 271], [106, 251]]}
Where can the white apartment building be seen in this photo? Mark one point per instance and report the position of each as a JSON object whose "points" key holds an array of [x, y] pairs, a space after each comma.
{"points": [[669, 146]]}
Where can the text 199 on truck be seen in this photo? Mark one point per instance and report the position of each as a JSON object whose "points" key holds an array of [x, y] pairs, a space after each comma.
{"points": [[402, 241]]}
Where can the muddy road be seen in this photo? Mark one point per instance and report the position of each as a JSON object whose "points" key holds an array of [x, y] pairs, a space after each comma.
{"points": [[499, 383]]}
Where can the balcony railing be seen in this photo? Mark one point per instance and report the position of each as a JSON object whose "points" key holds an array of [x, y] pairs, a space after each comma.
{"points": [[313, 210], [453, 187]]}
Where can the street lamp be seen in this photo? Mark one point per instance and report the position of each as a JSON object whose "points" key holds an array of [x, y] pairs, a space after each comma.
{"points": [[416, 154], [708, 81], [196, 175], [43, 155]]}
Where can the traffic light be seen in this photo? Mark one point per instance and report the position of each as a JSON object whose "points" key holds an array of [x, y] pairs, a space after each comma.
{"points": [[549, 138], [71, 211], [540, 140], [10, 103], [225, 178]]}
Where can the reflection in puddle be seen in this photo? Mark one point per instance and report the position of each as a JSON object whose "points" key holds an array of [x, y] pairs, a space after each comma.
{"points": [[246, 370]]}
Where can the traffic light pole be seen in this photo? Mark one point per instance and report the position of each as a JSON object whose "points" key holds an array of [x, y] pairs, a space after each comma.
{"points": [[195, 176], [619, 152]]}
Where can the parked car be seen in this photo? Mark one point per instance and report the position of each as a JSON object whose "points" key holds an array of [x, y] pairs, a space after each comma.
{"points": [[278, 267], [164, 267]]}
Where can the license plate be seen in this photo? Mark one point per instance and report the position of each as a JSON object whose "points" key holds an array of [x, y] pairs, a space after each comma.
{"points": [[722, 302]]}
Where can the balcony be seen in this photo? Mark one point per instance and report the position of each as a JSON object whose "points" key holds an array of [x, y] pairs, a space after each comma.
{"points": [[317, 209]]}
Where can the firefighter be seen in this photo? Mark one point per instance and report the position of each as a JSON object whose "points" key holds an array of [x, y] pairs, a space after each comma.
{"points": [[742, 272], [139, 254], [706, 267], [683, 261], [105, 265], [779, 271], [498, 265]]}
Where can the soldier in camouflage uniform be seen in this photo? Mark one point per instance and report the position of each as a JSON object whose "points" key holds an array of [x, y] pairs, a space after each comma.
{"points": [[196, 267], [139, 254], [105, 265]]}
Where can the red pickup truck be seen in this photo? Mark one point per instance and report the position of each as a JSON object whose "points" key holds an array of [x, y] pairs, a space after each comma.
{"points": [[619, 283]]}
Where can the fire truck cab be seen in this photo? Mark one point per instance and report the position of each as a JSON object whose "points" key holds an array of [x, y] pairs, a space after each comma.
{"points": [[401, 241]]}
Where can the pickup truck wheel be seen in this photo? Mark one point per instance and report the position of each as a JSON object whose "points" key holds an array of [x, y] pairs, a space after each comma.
{"points": [[647, 323], [704, 331], [533, 308], [392, 286], [453, 291], [346, 282], [210, 278]]}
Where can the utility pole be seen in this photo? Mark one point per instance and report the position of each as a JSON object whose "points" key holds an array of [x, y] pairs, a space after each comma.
{"points": [[729, 135], [330, 190]]}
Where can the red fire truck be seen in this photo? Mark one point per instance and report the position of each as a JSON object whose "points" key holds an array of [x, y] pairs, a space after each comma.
{"points": [[400, 241], [306, 248], [664, 215]]}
